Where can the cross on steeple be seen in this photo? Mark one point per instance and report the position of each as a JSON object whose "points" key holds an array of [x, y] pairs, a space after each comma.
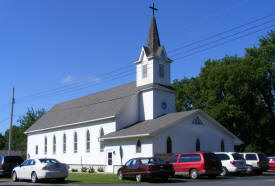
{"points": [[153, 8]]}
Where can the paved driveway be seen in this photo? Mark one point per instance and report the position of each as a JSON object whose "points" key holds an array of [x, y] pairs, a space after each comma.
{"points": [[267, 179]]}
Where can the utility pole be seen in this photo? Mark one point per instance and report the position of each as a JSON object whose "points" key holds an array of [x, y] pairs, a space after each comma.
{"points": [[10, 132]]}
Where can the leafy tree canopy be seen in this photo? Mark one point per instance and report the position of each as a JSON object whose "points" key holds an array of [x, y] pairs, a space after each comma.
{"points": [[238, 92]]}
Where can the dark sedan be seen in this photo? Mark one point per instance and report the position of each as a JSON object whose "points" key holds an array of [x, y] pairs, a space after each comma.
{"points": [[146, 168]]}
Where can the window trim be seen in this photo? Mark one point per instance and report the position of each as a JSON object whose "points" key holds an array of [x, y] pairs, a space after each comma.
{"points": [[75, 142], [222, 145], [54, 144], [144, 71], [88, 141], [161, 71], [169, 149], [36, 149], [101, 143], [64, 143], [198, 145], [138, 146], [45, 145]]}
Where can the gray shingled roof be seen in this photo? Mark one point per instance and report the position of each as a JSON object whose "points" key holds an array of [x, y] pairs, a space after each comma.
{"points": [[150, 126], [95, 106]]}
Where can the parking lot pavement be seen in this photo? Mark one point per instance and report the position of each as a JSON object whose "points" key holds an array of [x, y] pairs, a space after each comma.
{"points": [[267, 179]]}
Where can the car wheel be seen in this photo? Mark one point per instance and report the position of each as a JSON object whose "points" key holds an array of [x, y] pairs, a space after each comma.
{"points": [[249, 170], [34, 177], [14, 176], [194, 174], [120, 175], [138, 178], [224, 172]]}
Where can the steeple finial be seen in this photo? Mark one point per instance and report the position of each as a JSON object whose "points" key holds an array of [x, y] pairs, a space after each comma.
{"points": [[153, 8]]}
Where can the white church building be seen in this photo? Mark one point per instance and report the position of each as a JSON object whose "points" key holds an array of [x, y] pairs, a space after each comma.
{"points": [[137, 119]]}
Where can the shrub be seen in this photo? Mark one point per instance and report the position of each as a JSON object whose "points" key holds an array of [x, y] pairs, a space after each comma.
{"points": [[74, 170], [91, 170], [84, 169], [100, 169]]}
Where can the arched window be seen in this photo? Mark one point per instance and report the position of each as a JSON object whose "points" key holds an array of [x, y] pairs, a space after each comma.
{"points": [[101, 143], [88, 141], [198, 145], [75, 142], [36, 149], [222, 146], [54, 144], [169, 145], [45, 145], [138, 147], [64, 143]]}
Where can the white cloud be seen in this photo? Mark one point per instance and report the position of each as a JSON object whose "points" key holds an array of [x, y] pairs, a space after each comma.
{"points": [[68, 79], [94, 79]]}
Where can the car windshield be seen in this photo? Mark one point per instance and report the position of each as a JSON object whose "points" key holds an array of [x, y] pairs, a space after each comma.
{"points": [[262, 157], [146, 161], [237, 156], [48, 161]]}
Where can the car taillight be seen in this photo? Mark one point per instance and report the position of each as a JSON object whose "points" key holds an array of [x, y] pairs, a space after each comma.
{"points": [[44, 168], [2, 166], [258, 163], [233, 163]]}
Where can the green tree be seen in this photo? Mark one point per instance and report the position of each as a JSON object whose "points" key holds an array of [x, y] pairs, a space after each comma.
{"points": [[238, 92], [18, 136]]}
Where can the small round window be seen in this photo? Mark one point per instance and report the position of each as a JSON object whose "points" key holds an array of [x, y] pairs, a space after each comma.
{"points": [[163, 105]]}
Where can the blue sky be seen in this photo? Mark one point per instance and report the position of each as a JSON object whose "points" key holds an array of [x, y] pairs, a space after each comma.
{"points": [[53, 51]]}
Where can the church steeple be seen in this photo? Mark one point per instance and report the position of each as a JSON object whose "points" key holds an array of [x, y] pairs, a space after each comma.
{"points": [[153, 65], [153, 42]]}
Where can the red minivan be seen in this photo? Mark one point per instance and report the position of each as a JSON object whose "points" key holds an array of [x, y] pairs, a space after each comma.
{"points": [[195, 164]]}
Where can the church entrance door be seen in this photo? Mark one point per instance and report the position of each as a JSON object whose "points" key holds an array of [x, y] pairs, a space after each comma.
{"points": [[109, 166]]}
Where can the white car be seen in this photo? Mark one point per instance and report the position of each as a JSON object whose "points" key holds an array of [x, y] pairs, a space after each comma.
{"points": [[42, 168], [232, 162], [256, 162]]}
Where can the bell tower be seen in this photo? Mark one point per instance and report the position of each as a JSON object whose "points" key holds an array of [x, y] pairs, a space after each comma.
{"points": [[153, 65], [153, 77]]}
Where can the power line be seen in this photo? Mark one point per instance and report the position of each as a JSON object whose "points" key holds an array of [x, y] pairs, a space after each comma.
{"points": [[129, 66], [221, 33], [224, 42], [177, 59], [4, 120], [86, 83], [71, 84], [121, 75], [226, 37]]}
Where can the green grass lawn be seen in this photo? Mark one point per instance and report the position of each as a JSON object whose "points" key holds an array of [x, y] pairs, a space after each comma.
{"points": [[92, 178], [86, 178]]}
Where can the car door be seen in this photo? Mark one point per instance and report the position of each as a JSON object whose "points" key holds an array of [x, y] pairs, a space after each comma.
{"points": [[126, 167], [174, 161], [20, 171], [133, 169], [29, 168]]}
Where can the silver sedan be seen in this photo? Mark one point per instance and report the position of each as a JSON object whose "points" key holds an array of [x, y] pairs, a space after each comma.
{"points": [[42, 168]]}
